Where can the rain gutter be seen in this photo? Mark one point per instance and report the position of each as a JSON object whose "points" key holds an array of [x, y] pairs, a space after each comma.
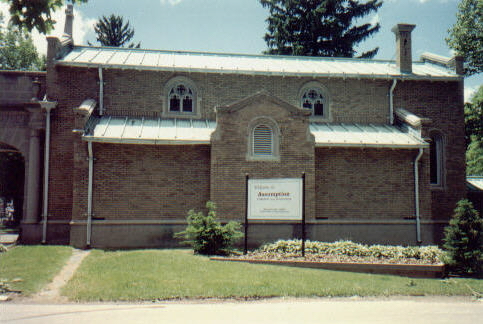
{"points": [[89, 194], [48, 106]]}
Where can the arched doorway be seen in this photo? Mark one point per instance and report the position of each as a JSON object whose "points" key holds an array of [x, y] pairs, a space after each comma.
{"points": [[12, 184]]}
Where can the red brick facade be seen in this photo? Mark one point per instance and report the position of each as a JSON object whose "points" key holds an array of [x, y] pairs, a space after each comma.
{"points": [[141, 193]]}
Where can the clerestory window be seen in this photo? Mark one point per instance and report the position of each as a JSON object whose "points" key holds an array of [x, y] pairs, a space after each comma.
{"points": [[314, 96], [314, 100], [181, 99]]}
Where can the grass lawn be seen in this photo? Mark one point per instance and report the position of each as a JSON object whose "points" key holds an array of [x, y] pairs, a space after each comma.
{"points": [[167, 274], [34, 265]]}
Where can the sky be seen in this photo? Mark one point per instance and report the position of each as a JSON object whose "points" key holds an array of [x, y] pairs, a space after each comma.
{"points": [[238, 26]]}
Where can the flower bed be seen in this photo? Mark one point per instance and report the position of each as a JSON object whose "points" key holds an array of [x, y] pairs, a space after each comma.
{"points": [[349, 256]]}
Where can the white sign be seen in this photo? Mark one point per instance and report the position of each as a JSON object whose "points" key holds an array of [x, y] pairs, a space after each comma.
{"points": [[275, 199]]}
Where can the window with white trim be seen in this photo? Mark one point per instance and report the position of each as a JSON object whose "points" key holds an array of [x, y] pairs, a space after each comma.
{"points": [[262, 144], [436, 159]]}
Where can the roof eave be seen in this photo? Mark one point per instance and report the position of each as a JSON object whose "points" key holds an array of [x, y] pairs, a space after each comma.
{"points": [[374, 145], [143, 141], [269, 73]]}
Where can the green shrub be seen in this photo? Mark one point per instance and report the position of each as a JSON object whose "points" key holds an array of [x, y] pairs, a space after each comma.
{"points": [[463, 240], [206, 235], [347, 248]]}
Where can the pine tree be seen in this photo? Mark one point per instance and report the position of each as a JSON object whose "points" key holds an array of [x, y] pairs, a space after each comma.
{"points": [[318, 27], [111, 31], [463, 240]]}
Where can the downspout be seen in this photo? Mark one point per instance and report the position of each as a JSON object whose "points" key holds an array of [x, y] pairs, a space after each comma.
{"points": [[416, 194], [391, 103], [101, 92], [89, 194], [46, 172]]}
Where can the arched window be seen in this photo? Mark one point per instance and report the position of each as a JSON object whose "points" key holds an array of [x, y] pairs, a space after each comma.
{"points": [[436, 159], [181, 98], [313, 97], [262, 141]]}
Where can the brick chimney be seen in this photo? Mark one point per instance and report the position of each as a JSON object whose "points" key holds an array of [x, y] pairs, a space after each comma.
{"points": [[69, 20], [403, 47]]}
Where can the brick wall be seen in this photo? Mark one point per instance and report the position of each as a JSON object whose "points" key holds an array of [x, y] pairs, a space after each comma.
{"points": [[69, 87], [443, 103], [355, 183], [360, 185], [229, 163], [142, 182], [132, 92]]}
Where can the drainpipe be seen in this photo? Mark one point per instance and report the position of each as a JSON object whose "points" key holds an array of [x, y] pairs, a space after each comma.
{"points": [[391, 103], [101, 92], [48, 106], [89, 194], [416, 194]]}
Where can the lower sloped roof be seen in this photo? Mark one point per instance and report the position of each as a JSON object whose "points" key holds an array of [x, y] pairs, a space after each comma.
{"points": [[474, 183], [163, 131], [358, 135]]}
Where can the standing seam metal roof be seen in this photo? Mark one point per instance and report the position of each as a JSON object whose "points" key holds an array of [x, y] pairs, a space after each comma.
{"points": [[129, 130], [108, 57]]}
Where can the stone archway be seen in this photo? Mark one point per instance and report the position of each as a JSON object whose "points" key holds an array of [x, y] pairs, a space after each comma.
{"points": [[22, 127]]}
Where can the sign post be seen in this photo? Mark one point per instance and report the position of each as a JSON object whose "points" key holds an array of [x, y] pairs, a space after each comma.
{"points": [[303, 214], [246, 215]]}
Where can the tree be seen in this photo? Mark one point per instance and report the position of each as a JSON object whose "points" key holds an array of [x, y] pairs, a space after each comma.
{"points": [[474, 157], [111, 31], [318, 27], [474, 134], [466, 36], [17, 50], [35, 14], [463, 240], [474, 115]]}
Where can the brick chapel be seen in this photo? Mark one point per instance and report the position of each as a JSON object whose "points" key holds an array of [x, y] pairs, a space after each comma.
{"points": [[135, 138]]}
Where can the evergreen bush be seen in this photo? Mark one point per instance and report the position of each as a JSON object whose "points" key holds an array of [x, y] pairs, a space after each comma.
{"points": [[463, 240], [208, 236]]}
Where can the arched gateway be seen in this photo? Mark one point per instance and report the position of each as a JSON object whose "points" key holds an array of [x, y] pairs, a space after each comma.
{"points": [[22, 127]]}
